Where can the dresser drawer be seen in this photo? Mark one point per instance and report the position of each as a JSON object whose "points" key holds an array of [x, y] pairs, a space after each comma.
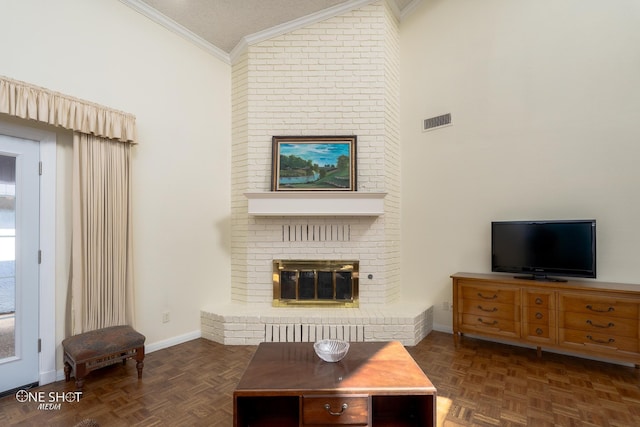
{"points": [[537, 315], [489, 324], [599, 323], [335, 410], [488, 293], [600, 305], [601, 340], [490, 309], [539, 331], [537, 298]]}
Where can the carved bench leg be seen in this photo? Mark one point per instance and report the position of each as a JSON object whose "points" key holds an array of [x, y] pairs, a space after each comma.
{"points": [[81, 372], [139, 366]]}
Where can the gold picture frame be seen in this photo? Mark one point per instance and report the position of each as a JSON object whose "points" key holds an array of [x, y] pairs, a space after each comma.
{"points": [[314, 163]]}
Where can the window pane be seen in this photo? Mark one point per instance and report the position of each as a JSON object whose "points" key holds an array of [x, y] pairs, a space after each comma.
{"points": [[288, 285], [325, 285], [307, 285], [343, 286]]}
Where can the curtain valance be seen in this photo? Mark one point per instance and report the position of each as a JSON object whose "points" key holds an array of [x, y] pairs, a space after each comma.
{"points": [[31, 102]]}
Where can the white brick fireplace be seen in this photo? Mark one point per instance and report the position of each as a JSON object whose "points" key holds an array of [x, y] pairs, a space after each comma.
{"points": [[335, 77]]}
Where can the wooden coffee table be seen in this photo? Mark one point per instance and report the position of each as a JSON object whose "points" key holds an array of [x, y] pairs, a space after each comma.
{"points": [[377, 384]]}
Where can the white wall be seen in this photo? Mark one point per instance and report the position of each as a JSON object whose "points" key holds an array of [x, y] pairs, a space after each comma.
{"points": [[105, 52], [545, 101]]}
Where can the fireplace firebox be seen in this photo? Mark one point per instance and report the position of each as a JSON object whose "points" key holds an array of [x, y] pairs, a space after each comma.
{"points": [[315, 283]]}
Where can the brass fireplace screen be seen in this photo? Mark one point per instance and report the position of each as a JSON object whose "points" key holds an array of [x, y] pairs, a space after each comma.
{"points": [[315, 283]]}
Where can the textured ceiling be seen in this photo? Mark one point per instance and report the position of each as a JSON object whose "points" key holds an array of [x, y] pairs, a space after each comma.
{"points": [[224, 23]]}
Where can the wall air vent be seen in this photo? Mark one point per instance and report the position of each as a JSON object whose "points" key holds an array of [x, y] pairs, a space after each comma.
{"points": [[437, 122]]}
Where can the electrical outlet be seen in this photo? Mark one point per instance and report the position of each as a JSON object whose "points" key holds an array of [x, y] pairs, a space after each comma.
{"points": [[165, 317], [445, 305]]}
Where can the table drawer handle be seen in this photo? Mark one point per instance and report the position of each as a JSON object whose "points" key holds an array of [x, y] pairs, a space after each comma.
{"points": [[485, 297], [610, 325], [488, 310], [610, 341], [336, 414], [538, 300], [539, 315], [590, 307]]}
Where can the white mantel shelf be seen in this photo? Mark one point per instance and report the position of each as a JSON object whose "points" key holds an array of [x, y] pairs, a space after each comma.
{"points": [[315, 203]]}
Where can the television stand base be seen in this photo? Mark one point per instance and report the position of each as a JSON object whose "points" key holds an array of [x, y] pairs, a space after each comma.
{"points": [[540, 278], [592, 319]]}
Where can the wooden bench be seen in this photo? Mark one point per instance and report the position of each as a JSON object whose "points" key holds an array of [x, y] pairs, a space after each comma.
{"points": [[92, 350]]}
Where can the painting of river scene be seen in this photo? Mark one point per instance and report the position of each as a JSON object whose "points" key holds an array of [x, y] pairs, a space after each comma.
{"points": [[326, 163]]}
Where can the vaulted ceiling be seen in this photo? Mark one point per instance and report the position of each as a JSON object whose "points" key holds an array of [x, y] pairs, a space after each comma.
{"points": [[223, 24]]}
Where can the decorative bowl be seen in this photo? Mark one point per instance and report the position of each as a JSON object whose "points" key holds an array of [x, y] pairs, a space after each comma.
{"points": [[331, 350]]}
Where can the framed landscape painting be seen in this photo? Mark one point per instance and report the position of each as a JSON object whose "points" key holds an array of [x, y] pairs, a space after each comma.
{"points": [[314, 163]]}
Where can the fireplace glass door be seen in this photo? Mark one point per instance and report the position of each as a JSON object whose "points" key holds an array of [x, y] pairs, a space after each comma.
{"points": [[312, 282]]}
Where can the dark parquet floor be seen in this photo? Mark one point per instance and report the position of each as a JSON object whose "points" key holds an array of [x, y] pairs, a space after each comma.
{"points": [[479, 384]]}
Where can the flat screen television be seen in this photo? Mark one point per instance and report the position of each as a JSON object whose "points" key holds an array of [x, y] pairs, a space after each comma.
{"points": [[542, 249]]}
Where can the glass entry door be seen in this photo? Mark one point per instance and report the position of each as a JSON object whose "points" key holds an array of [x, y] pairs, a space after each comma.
{"points": [[19, 266], [7, 255]]}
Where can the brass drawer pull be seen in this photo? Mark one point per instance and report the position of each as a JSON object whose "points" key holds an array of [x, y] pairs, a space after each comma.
{"points": [[495, 322], [488, 310], [337, 414], [539, 331], [610, 325], [590, 307], [538, 300], [485, 297], [611, 340], [539, 315]]}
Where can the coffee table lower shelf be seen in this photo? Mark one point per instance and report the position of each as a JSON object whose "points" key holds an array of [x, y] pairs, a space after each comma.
{"points": [[268, 411], [287, 411]]}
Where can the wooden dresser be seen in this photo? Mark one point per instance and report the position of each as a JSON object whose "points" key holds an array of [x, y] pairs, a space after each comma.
{"points": [[594, 319]]}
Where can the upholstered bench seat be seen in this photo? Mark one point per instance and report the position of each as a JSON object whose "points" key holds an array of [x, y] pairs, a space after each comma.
{"points": [[92, 350]]}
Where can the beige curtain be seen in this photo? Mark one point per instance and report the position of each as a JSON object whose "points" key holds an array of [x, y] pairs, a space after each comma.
{"points": [[102, 269], [31, 102]]}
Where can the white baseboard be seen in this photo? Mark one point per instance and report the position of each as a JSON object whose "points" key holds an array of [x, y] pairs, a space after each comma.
{"points": [[150, 348], [443, 328], [49, 377]]}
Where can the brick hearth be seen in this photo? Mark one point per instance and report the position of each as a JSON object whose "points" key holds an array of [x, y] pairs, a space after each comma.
{"points": [[235, 324]]}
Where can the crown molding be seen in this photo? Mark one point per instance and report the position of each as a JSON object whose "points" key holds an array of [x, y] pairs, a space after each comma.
{"points": [[176, 28], [409, 9], [229, 58], [296, 24], [313, 18], [304, 21], [393, 6], [238, 50]]}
